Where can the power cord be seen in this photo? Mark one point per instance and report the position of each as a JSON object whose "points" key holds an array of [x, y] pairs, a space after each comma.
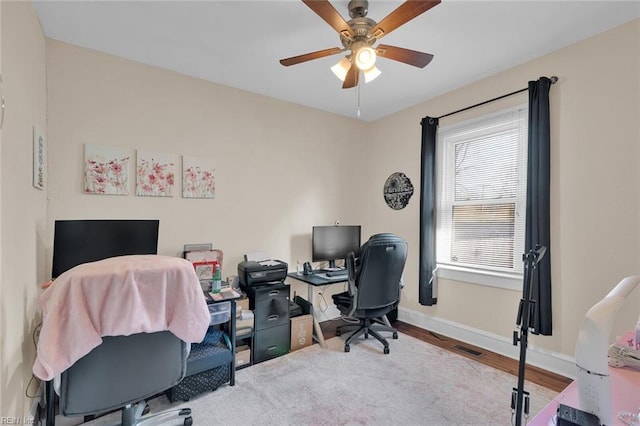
{"points": [[349, 320], [35, 336], [323, 305]]}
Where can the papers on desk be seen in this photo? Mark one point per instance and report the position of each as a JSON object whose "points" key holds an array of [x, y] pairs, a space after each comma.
{"points": [[269, 263], [245, 315], [255, 256], [324, 275], [225, 294]]}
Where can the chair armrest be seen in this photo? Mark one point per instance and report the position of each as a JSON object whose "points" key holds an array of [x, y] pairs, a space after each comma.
{"points": [[353, 290], [351, 273]]}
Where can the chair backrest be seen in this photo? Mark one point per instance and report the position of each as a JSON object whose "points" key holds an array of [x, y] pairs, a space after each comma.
{"points": [[122, 370], [379, 271]]}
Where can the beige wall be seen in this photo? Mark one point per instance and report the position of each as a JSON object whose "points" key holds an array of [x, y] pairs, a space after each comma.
{"points": [[280, 168], [23, 212], [595, 184], [2, 315]]}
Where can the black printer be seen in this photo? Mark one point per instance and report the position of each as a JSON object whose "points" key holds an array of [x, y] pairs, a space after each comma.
{"points": [[252, 273]]}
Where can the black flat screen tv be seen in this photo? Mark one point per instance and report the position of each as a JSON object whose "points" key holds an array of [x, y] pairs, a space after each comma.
{"points": [[81, 241], [331, 243]]}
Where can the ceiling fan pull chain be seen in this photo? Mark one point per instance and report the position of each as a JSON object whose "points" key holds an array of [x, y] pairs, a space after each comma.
{"points": [[358, 90]]}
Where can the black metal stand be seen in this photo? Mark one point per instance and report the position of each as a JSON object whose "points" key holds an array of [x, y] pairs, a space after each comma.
{"points": [[525, 320], [50, 402]]}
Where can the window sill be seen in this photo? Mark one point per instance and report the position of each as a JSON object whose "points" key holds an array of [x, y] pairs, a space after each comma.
{"points": [[476, 276]]}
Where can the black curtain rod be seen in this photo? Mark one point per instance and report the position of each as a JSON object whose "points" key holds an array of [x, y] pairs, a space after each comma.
{"points": [[553, 80]]}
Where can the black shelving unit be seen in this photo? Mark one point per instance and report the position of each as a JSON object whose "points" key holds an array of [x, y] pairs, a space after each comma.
{"points": [[212, 361], [245, 338]]}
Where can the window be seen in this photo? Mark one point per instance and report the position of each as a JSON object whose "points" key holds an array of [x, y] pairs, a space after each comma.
{"points": [[481, 199]]}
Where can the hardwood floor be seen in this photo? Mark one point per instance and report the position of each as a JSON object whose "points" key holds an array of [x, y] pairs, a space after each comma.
{"points": [[534, 374]]}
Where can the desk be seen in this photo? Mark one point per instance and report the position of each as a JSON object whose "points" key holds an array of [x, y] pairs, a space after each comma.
{"points": [[625, 396], [316, 280]]}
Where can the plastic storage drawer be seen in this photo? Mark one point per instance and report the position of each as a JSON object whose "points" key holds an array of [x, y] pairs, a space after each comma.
{"points": [[220, 312]]}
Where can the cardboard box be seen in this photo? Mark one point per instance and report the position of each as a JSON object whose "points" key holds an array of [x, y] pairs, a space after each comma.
{"points": [[301, 332], [243, 356], [242, 303]]}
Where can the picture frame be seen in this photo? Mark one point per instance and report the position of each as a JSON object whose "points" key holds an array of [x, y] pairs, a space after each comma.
{"points": [[155, 176], [204, 270], [198, 247], [199, 256], [198, 177], [106, 170], [39, 160]]}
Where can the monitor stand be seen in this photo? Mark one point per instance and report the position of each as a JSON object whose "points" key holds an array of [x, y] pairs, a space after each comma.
{"points": [[332, 267]]}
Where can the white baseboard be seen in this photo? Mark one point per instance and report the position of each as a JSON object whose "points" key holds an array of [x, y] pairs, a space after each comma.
{"points": [[547, 360]]}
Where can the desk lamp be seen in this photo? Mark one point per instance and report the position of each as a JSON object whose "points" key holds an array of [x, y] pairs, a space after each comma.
{"points": [[594, 387]]}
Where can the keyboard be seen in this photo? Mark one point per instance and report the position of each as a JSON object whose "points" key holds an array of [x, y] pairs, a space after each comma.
{"points": [[340, 273]]}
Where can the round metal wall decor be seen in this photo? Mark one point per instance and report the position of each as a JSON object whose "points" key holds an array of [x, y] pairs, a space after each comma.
{"points": [[397, 191]]}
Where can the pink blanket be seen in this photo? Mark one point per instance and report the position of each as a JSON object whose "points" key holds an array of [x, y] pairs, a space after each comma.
{"points": [[117, 296]]}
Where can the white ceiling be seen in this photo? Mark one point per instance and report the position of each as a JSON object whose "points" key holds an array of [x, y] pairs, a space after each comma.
{"points": [[239, 43]]}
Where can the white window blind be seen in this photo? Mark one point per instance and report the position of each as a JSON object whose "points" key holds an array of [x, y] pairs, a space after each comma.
{"points": [[482, 192]]}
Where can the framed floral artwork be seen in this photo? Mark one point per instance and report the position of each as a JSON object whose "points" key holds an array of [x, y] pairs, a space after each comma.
{"points": [[106, 170], [155, 176], [198, 180], [39, 160], [204, 270]]}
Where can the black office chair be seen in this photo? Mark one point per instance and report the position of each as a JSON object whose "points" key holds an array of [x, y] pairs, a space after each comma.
{"points": [[374, 287], [121, 373]]}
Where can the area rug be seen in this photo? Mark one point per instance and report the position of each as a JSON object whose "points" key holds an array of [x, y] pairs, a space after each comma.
{"points": [[416, 384]]}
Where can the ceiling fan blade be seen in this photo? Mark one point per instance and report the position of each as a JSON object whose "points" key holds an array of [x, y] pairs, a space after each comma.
{"points": [[326, 11], [400, 54], [351, 80], [401, 15], [309, 56]]}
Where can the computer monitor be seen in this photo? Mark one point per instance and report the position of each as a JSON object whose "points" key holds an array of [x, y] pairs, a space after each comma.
{"points": [[330, 243], [80, 241]]}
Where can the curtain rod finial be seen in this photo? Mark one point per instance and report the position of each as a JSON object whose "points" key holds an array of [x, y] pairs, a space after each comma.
{"points": [[553, 79]]}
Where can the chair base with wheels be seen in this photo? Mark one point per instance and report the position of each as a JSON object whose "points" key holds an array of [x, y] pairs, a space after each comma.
{"points": [[368, 326], [136, 414]]}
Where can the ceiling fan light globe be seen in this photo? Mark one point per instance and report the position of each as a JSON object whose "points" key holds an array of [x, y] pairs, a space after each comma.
{"points": [[371, 74], [365, 58], [341, 68]]}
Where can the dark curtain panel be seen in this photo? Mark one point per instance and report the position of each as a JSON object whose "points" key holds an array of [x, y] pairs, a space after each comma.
{"points": [[538, 215], [428, 211]]}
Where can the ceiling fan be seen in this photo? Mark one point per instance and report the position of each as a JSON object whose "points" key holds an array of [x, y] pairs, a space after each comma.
{"points": [[360, 34]]}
